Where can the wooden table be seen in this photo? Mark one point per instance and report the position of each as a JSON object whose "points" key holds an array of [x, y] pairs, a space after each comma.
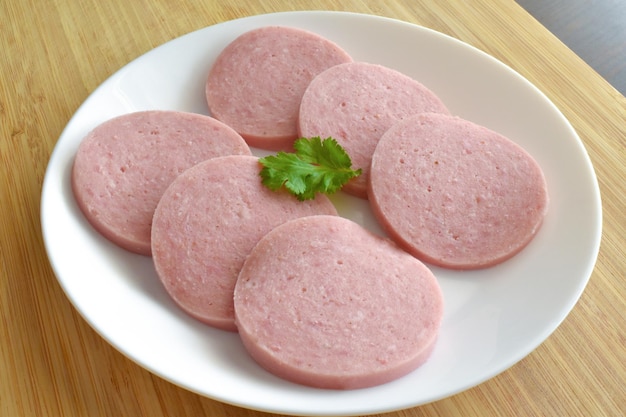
{"points": [[597, 33], [55, 53]]}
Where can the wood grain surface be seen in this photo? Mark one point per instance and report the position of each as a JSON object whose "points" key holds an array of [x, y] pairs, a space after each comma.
{"points": [[595, 31], [55, 53]]}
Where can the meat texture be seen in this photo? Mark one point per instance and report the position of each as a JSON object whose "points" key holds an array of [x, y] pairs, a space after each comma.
{"points": [[356, 103], [454, 193], [323, 302], [124, 165], [205, 225], [257, 82]]}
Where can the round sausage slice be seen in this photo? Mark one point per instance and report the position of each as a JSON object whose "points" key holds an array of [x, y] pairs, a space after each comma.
{"points": [[356, 103], [257, 82], [454, 193], [205, 225], [323, 302], [123, 166]]}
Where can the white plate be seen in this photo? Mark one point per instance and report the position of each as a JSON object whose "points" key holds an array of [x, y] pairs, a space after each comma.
{"points": [[493, 318]]}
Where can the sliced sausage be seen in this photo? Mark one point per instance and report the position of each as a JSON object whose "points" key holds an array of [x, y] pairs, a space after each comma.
{"points": [[356, 103], [205, 225], [257, 81], [454, 193], [323, 302], [123, 166]]}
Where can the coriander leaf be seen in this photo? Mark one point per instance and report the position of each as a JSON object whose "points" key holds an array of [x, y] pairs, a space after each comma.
{"points": [[316, 166]]}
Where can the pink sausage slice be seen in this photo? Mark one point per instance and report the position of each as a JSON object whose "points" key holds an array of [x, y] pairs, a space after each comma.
{"points": [[356, 103], [257, 82], [205, 225], [456, 194], [123, 166], [323, 302]]}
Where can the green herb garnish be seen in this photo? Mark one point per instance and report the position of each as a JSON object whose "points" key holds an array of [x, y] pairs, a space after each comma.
{"points": [[316, 166]]}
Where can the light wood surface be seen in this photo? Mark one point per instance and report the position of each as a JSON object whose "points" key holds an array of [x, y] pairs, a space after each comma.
{"points": [[595, 31], [55, 53]]}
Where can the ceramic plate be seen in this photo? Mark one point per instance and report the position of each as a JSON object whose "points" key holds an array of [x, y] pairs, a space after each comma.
{"points": [[494, 317]]}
